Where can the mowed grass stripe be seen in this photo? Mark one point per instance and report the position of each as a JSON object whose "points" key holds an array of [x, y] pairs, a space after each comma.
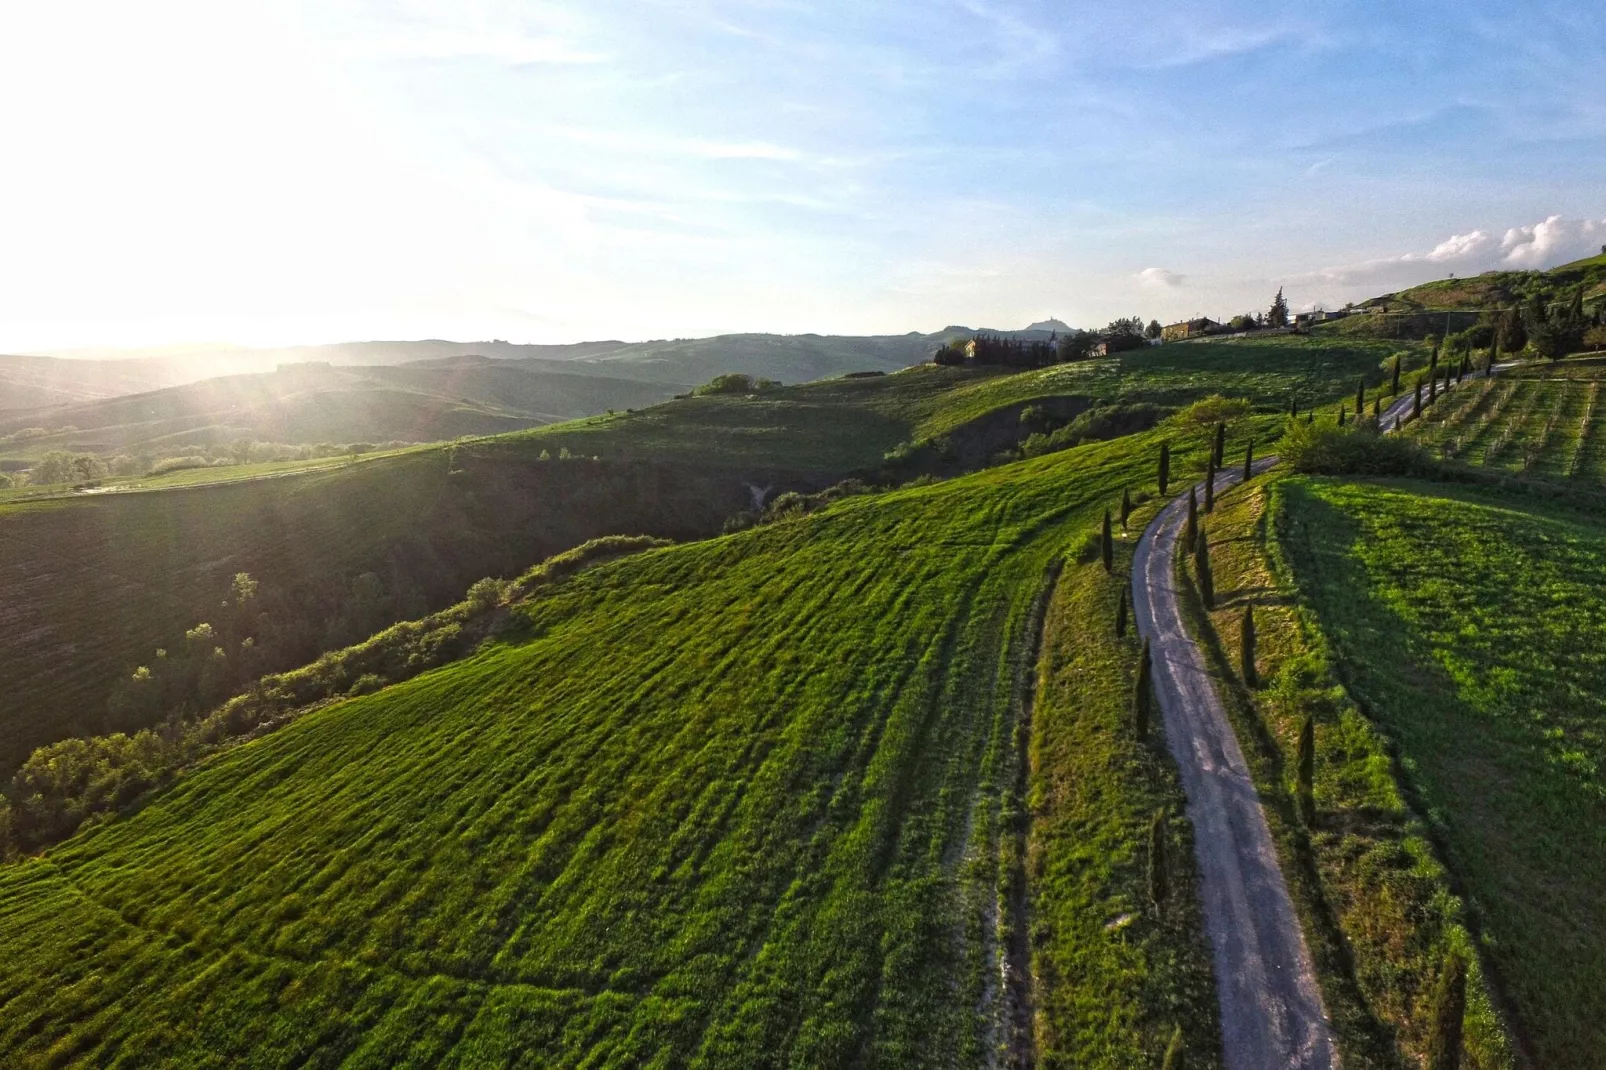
{"points": [[738, 802]]}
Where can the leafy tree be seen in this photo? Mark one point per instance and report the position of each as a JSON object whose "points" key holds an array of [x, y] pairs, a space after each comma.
{"points": [[1123, 334], [1510, 334], [1107, 544], [1142, 692], [1306, 771], [1449, 1011], [1557, 334], [1165, 466], [1159, 862], [1152, 331], [949, 354], [1277, 316], [1246, 648]]}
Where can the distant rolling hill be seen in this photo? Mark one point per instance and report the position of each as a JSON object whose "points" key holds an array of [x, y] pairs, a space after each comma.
{"points": [[308, 403], [82, 375], [1500, 289]]}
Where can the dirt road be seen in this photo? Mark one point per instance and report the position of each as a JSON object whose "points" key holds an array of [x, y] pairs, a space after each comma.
{"points": [[1271, 1006]]}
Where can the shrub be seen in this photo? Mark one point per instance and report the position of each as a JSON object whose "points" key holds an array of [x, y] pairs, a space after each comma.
{"points": [[1214, 409], [734, 383], [1354, 450]]}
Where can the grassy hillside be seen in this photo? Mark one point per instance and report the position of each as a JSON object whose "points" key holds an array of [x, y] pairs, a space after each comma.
{"points": [[1501, 289], [1376, 903], [96, 583], [849, 421], [1470, 629], [309, 404], [753, 801]]}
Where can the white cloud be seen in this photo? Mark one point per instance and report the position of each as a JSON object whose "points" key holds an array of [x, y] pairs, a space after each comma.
{"points": [[1554, 241], [1157, 276]]}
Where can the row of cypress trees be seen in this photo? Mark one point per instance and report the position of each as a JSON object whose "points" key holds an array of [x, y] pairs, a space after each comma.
{"points": [[1449, 1004]]}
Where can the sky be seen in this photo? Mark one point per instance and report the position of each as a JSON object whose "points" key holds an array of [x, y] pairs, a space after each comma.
{"points": [[282, 172]]}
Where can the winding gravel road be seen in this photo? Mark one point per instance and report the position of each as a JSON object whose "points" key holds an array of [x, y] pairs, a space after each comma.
{"points": [[1271, 1006]]}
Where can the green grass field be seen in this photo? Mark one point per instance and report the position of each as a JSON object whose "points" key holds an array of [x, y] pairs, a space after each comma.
{"points": [[97, 582], [1376, 903], [1470, 629], [751, 801]]}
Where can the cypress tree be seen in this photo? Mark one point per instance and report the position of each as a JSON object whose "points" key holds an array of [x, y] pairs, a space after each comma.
{"points": [[1193, 520], [1165, 466], [1210, 484], [1416, 406], [1360, 398], [1120, 615], [1293, 406], [1141, 693], [1394, 388], [1221, 443], [1341, 410], [1107, 544], [1377, 407], [1310, 417], [1246, 648], [1175, 1052], [1249, 458], [1201, 565], [1307, 771], [1433, 387], [1159, 864], [1126, 506], [1433, 361], [1461, 368], [1449, 1008]]}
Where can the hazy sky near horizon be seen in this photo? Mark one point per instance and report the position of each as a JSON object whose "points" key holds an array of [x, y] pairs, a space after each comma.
{"points": [[280, 171]]}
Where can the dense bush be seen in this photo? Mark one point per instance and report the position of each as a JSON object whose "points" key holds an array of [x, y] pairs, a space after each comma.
{"points": [[1214, 409], [1353, 450], [734, 383]]}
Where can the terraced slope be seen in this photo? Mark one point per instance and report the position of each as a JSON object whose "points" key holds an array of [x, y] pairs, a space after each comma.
{"points": [[1491, 612], [753, 801]]}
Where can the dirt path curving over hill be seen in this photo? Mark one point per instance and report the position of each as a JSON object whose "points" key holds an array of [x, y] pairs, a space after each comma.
{"points": [[1271, 1006]]}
